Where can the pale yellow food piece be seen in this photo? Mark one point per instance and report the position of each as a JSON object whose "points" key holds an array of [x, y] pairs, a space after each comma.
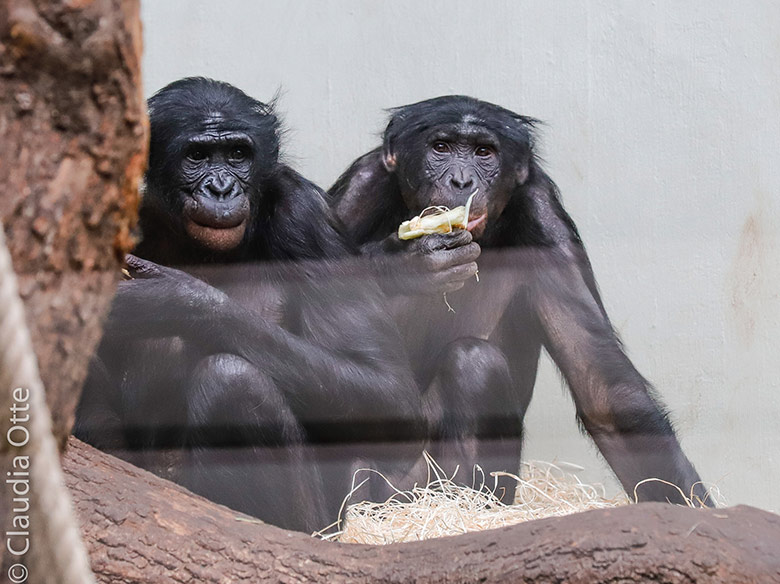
{"points": [[440, 221], [436, 220]]}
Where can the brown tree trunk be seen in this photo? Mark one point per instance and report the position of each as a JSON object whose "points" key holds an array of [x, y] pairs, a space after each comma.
{"points": [[142, 529], [72, 153]]}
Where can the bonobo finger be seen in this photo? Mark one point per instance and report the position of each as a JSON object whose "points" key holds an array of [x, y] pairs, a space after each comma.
{"points": [[462, 272], [446, 258], [452, 279], [457, 273], [437, 241], [451, 287], [468, 253], [133, 295], [140, 268]]}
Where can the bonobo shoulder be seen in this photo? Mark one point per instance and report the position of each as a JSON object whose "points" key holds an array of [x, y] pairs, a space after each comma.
{"points": [[304, 225], [363, 171], [366, 198]]}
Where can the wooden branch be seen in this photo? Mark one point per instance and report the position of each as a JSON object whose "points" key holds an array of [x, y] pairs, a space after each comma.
{"points": [[142, 529]]}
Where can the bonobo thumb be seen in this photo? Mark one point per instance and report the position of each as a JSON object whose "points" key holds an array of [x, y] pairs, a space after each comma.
{"points": [[140, 268]]}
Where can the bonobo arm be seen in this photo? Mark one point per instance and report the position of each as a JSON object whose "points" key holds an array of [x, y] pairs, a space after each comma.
{"points": [[344, 361], [614, 402], [97, 419], [367, 200]]}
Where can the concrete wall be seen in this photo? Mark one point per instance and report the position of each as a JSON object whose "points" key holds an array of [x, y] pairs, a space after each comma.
{"points": [[663, 127]]}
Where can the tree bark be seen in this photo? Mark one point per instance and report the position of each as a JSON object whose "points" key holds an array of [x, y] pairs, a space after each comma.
{"points": [[142, 529], [72, 153]]}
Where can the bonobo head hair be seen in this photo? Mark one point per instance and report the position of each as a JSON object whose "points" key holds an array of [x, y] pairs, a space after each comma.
{"points": [[412, 122]]}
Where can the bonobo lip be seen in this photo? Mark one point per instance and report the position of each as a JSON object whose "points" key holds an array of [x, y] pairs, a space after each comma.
{"points": [[476, 222], [214, 214], [220, 239], [477, 225]]}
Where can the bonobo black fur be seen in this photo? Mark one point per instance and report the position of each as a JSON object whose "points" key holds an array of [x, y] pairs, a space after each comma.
{"points": [[477, 366], [241, 355]]}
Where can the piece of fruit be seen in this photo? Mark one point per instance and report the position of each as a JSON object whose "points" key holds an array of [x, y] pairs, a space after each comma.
{"points": [[436, 220]]}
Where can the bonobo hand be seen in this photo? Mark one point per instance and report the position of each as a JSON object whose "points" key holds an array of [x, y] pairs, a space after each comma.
{"points": [[432, 264], [159, 300]]}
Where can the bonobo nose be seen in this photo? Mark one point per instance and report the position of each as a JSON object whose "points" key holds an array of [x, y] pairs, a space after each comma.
{"points": [[220, 186], [462, 182]]}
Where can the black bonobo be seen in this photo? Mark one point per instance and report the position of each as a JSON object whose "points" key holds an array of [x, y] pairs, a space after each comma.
{"points": [[241, 356], [535, 288]]}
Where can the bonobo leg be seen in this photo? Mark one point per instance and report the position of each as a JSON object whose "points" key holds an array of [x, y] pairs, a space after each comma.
{"points": [[246, 447], [97, 419], [476, 416]]}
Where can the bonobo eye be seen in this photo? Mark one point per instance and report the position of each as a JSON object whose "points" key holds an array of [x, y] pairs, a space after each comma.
{"points": [[196, 155], [440, 146], [483, 151], [238, 154]]}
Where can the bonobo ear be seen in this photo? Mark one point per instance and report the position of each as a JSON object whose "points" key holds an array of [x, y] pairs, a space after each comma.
{"points": [[521, 172], [389, 159]]}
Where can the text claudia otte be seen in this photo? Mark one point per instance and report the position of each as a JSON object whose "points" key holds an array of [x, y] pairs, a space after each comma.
{"points": [[17, 535]]}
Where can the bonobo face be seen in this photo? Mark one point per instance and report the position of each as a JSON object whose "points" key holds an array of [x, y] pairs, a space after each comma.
{"points": [[444, 149], [214, 184], [460, 160], [212, 150]]}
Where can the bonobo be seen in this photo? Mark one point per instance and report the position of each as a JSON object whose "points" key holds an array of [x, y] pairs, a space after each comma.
{"points": [[244, 369], [535, 288]]}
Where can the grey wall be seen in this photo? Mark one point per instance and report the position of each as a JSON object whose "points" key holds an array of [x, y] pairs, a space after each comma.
{"points": [[663, 126]]}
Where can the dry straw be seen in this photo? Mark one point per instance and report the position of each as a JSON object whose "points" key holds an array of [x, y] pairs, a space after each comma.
{"points": [[444, 507]]}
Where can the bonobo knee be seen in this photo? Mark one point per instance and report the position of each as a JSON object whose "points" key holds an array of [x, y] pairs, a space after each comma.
{"points": [[474, 362], [225, 369], [225, 388], [475, 384]]}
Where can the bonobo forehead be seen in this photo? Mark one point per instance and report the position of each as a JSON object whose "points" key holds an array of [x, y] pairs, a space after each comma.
{"points": [[215, 127], [200, 108], [220, 138], [469, 131], [220, 124], [459, 115]]}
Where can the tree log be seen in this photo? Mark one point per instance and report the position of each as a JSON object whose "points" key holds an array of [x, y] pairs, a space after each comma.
{"points": [[72, 153], [142, 529]]}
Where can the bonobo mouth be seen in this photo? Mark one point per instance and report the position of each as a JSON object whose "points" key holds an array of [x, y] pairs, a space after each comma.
{"points": [[210, 212], [476, 224], [216, 224]]}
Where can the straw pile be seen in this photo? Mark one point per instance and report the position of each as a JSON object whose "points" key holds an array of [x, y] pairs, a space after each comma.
{"points": [[444, 507]]}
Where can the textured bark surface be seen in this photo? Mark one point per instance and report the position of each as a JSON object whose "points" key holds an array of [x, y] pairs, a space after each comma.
{"points": [[142, 529], [72, 153]]}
